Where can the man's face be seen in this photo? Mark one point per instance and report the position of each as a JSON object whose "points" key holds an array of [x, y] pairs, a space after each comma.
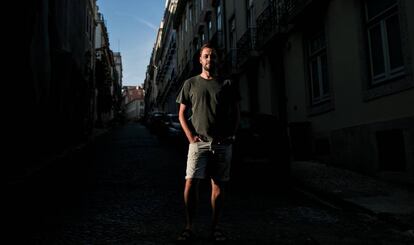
{"points": [[208, 59]]}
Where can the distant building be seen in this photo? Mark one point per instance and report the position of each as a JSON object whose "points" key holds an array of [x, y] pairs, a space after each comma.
{"points": [[107, 88], [117, 101], [134, 102], [161, 81]]}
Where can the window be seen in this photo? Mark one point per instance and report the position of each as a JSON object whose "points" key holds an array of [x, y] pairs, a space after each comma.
{"points": [[186, 24], [203, 37], [209, 25], [196, 44], [232, 38], [251, 23], [196, 10], [232, 24], [318, 69], [190, 13], [384, 40], [219, 24], [250, 14], [219, 17], [89, 24]]}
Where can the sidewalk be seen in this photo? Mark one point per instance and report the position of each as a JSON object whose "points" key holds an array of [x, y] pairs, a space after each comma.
{"points": [[385, 200], [46, 161]]}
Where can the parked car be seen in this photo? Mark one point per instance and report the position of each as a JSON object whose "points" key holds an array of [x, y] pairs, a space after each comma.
{"points": [[171, 126], [155, 121]]}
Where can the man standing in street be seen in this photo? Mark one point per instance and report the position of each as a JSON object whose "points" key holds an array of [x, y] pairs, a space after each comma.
{"points": [[213, 103]]}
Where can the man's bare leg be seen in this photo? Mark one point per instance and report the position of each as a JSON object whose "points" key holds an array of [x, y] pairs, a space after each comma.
{"points": [[190, 201], [217, 201]]}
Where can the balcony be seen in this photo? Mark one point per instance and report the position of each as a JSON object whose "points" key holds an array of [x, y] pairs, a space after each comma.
{"points": [[165, 91], [180, 9], [231, 62], [186, 71], [246, 46], [302, 9], [218, 39], [206, 10], [271, 22]]}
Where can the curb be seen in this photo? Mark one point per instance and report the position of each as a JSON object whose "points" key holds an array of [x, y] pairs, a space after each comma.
{"points": [[331, 200], [335, 202]]}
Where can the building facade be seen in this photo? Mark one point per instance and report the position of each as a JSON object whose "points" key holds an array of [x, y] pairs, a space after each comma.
{"points": [[108, 87], [134, 102], [336, 75], [161, 80], [58, 64], [59, 78], [349, 76]]}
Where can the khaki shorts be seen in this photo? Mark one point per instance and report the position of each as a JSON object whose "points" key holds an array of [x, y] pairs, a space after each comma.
{"points": [[209, 160]]}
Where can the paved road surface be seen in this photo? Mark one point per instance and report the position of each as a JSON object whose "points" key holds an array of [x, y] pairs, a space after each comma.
{"points": [[126, 188]]}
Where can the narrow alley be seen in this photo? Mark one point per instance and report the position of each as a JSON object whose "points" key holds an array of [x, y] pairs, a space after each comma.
{"points": [[314, 95]]}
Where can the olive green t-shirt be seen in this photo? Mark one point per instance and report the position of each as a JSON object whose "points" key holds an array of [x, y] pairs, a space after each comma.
{"points": [[212, 104]]}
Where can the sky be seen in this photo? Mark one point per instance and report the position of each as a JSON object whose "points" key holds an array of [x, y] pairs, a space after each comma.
{"points": [[132, 26]]}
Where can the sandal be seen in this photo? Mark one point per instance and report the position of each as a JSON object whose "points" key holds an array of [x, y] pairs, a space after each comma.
{"points": [[186, 236], [218, 235]]}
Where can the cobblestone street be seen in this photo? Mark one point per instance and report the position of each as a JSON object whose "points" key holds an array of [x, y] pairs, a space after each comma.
{"points": [[127, 187]]}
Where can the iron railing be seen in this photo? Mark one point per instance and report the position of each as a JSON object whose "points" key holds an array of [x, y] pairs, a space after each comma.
{"points": [[231, 61], [295, 8], [218, 39], [271, 22], [246, 45]]}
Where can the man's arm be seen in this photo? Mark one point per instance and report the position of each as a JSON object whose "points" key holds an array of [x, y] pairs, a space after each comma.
{"points": [[184, 124]]}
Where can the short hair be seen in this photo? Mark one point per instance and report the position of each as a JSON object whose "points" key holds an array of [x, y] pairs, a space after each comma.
{"points": [[207, 45]]}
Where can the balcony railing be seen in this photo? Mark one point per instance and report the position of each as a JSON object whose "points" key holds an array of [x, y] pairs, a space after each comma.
{"points": [[246, 46], [186, 71], [218, 39], [231, 61], [296, 8], [271, 22]]}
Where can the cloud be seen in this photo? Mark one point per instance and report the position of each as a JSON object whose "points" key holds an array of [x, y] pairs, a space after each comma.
{"points": [[147, 23], [140, 20]]}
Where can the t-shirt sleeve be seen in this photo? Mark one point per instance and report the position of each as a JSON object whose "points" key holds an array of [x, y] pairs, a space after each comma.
{"points": [[184, 94]]}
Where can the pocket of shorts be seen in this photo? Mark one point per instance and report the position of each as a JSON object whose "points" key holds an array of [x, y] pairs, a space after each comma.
{"points": [[193, 147], [193, 150]]}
